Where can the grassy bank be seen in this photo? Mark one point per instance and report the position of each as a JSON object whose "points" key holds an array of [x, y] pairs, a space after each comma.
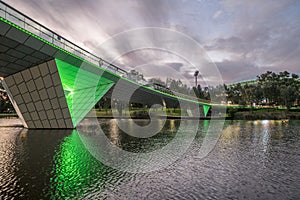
{"points": [[8, 115], [141, 113], [263, 113], [232, 113]]}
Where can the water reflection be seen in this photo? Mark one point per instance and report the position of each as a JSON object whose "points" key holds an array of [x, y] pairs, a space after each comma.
{"points": [[253, 160], [8, 163], [132, 144], [114, 135], [137, 154], [76, 172], [26, 160]]}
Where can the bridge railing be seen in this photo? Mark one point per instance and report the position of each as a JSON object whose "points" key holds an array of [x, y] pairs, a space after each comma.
{"points": [[9, 13], [14, 16]]}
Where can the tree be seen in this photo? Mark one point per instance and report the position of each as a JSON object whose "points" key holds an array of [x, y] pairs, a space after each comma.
{"points": [[234, 94], [279, 89], [178, 86], [5, 104], [199, 92], [136, 76], [217, 93]]}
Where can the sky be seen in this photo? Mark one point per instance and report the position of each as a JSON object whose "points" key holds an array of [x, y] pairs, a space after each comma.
{"points": [[241, 38]]}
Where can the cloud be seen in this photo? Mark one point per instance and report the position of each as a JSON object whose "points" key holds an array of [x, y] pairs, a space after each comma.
{"points": [[264, 35], [242, 37], [233, 71], [175, 65]]}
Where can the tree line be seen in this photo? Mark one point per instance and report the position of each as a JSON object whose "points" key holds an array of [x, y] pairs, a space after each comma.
{"points": [[270, 88]]}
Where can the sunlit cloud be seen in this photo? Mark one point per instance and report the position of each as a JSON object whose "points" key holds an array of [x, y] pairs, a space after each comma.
{"points": [[242, 37]]}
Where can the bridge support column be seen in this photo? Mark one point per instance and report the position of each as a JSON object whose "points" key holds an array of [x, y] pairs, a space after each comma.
{"points": [[56, 94], [38, 97]]}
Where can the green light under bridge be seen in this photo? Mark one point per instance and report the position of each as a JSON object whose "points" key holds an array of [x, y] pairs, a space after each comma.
{"points": [[206, 109], [83, 89]]}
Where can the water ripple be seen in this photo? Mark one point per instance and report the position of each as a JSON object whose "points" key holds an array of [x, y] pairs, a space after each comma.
{"points": [[252, 160]]}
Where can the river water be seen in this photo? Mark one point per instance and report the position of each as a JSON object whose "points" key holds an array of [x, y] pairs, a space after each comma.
{"points": [[251, 160]]}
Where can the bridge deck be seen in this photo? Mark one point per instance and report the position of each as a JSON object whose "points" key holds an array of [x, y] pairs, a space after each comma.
{"points": [[38, 44], [26, 44]]}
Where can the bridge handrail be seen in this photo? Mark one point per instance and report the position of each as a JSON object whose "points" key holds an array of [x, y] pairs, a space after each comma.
{"points": [[11, 14]]}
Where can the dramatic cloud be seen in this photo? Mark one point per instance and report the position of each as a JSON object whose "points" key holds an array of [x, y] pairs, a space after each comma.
{"points": [[243, 38]]}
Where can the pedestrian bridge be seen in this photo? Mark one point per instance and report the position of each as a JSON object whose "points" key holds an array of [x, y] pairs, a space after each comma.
{"points": [[53, 83]]}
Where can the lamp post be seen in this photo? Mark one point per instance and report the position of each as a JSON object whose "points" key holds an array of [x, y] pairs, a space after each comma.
{"points": [[196, 76]]}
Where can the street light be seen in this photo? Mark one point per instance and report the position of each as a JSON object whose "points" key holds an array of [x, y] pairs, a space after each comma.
{"points": [[196, 75]]}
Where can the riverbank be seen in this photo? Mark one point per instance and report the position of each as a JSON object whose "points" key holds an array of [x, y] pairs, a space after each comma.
{"points": [[236, 114], [8, 115], [231, 115], [277, 115], [260, 114]]}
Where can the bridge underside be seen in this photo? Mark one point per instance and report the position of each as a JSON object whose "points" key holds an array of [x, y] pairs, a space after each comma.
{"points": [[55, 94], [48, 86], [52, 88], [38, 97]]}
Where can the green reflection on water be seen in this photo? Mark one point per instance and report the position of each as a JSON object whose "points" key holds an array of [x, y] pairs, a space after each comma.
{"points": [[76, 173], [76, 170]]}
